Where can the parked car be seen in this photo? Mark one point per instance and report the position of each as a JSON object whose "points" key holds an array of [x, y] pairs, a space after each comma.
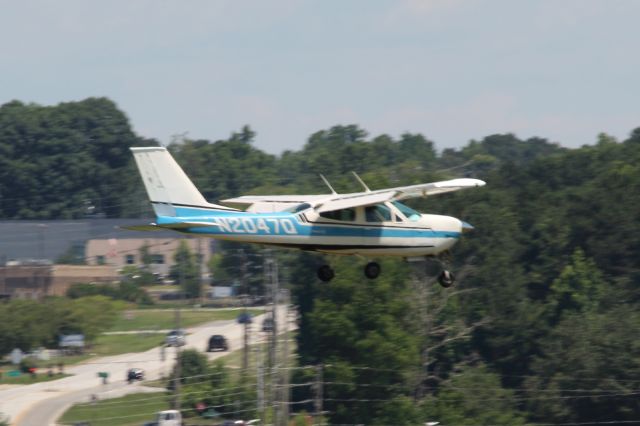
{"points": [[217, 342], [267, 324], [175, 338], [169, 418], [135, 374]]}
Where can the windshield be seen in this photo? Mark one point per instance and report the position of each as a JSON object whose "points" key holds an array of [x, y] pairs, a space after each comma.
{"points": [[410, 213]]}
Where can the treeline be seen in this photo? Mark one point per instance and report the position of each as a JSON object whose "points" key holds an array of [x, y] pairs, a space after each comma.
{"points": [[541, 327], [29, 324], [66, 161]]}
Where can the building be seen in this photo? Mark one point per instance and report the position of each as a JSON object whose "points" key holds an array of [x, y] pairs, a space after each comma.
{"points": [[52, 239], [35, 281], [119, 252], [29, 249]]}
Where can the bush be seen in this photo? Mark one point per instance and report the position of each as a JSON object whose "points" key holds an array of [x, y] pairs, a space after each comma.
{"points": [[27, 363]]}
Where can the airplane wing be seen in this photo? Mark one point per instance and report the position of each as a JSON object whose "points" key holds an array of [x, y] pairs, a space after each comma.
{"points": [[330, 202], [293, 199], [434, 188], [343, 201]]}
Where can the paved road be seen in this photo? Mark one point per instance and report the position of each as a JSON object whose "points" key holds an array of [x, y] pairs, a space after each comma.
{"points": [[42, 403]]}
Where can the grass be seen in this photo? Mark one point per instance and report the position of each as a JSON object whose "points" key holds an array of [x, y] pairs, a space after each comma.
{"points": [[26, 379], [132, 409], [115, 344], [165, 319]]}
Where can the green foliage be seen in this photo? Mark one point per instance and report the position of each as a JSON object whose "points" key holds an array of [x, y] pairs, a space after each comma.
{"points": [[127, 291], [193, 366], [217, 388], [67, 161], [28, 324], [580, 286], [185, 271], [138, 275], [240, 265], [588, 369], [27, 363], [548, 281], [475, 396]]}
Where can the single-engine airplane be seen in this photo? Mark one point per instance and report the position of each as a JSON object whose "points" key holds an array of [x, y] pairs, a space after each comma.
{"points": [[368, 223]]}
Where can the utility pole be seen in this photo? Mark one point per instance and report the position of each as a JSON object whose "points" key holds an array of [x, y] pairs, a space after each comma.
{"points": [[178, 371], [245, 286], [200, 295], [285, 364], [260, 384], [271, 281], [317, 400]]}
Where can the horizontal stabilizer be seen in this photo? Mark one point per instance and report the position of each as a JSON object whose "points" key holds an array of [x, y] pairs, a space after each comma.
{"points": [[177, 225], [184, 225], [149, 227]]}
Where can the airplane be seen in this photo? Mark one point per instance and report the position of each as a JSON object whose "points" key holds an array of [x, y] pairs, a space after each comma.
{"points": [[370, 223]]}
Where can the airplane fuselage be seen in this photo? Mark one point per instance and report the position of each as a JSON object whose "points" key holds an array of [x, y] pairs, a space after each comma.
{"points": [[424, 236]]}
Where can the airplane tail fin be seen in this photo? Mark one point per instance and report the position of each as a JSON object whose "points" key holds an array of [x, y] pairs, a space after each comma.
{"points": [[167, 184]]}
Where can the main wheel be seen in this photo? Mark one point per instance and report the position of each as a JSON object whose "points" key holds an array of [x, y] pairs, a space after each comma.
{"points": [[446, 279], [325, 273], [372, 270]]}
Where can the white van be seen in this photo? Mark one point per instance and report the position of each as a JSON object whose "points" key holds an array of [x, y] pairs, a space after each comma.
{"points": [[169, 418]]}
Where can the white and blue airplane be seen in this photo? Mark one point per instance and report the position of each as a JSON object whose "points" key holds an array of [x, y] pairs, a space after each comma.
{"points": [[368, 223]]}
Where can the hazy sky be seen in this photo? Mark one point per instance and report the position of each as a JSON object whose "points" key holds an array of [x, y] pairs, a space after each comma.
{"points": [[453, 70]]}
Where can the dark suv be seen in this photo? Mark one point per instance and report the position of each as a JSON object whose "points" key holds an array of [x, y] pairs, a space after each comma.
{"points": [[135, 374], [216, 342]]}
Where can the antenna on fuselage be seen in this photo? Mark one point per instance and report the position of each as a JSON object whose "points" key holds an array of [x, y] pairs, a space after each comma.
{"points": [[328, 184], [366, 188]]}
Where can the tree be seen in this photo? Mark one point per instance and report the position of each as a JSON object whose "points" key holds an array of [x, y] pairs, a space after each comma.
{"points": [[185, 271], [588, 369], [579, 288], [473, 395], [354, 324]]}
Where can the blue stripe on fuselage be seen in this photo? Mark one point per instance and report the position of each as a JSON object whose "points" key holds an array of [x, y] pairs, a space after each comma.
{"points": [[287, 224]]}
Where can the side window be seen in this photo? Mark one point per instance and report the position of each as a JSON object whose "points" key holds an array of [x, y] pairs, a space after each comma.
{"points": [[345, 215], [379, 213], [130, 259]]}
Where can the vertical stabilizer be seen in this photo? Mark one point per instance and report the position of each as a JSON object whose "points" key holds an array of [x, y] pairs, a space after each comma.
{"points": [[166, 182]]}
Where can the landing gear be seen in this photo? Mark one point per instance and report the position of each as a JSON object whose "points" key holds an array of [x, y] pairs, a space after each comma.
{"points": [[431, 266], [325, 273], [446, 279], [372, 270]]}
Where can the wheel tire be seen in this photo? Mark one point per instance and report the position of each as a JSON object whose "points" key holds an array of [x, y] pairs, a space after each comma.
{"points": [[325, 273], [372, 270], [446, 279]]}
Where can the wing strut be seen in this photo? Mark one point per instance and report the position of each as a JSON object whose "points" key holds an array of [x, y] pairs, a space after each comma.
{"points": [[366, 188], [328, 184]]}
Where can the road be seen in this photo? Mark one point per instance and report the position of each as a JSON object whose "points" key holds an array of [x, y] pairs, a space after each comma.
{"points": [[42, 403]]}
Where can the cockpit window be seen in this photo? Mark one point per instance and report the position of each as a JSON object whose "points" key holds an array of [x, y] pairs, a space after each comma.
{"points": [[378, 213], [410, 213], [347, 215], [297, 208]]}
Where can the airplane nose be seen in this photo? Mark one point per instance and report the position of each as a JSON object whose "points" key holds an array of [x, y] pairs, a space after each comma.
{"points": [[466, 227]]}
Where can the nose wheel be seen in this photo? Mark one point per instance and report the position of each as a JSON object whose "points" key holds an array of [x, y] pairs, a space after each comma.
{"points": [[325, 273], [446, 279]]}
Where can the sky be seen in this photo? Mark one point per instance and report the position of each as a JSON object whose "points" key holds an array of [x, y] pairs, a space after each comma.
{"points": [[453, 70]]}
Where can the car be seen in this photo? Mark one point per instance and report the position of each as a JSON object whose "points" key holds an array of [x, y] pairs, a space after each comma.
{"points": [[217, 341], [267, 324], [175, 338], [135, 374]]}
